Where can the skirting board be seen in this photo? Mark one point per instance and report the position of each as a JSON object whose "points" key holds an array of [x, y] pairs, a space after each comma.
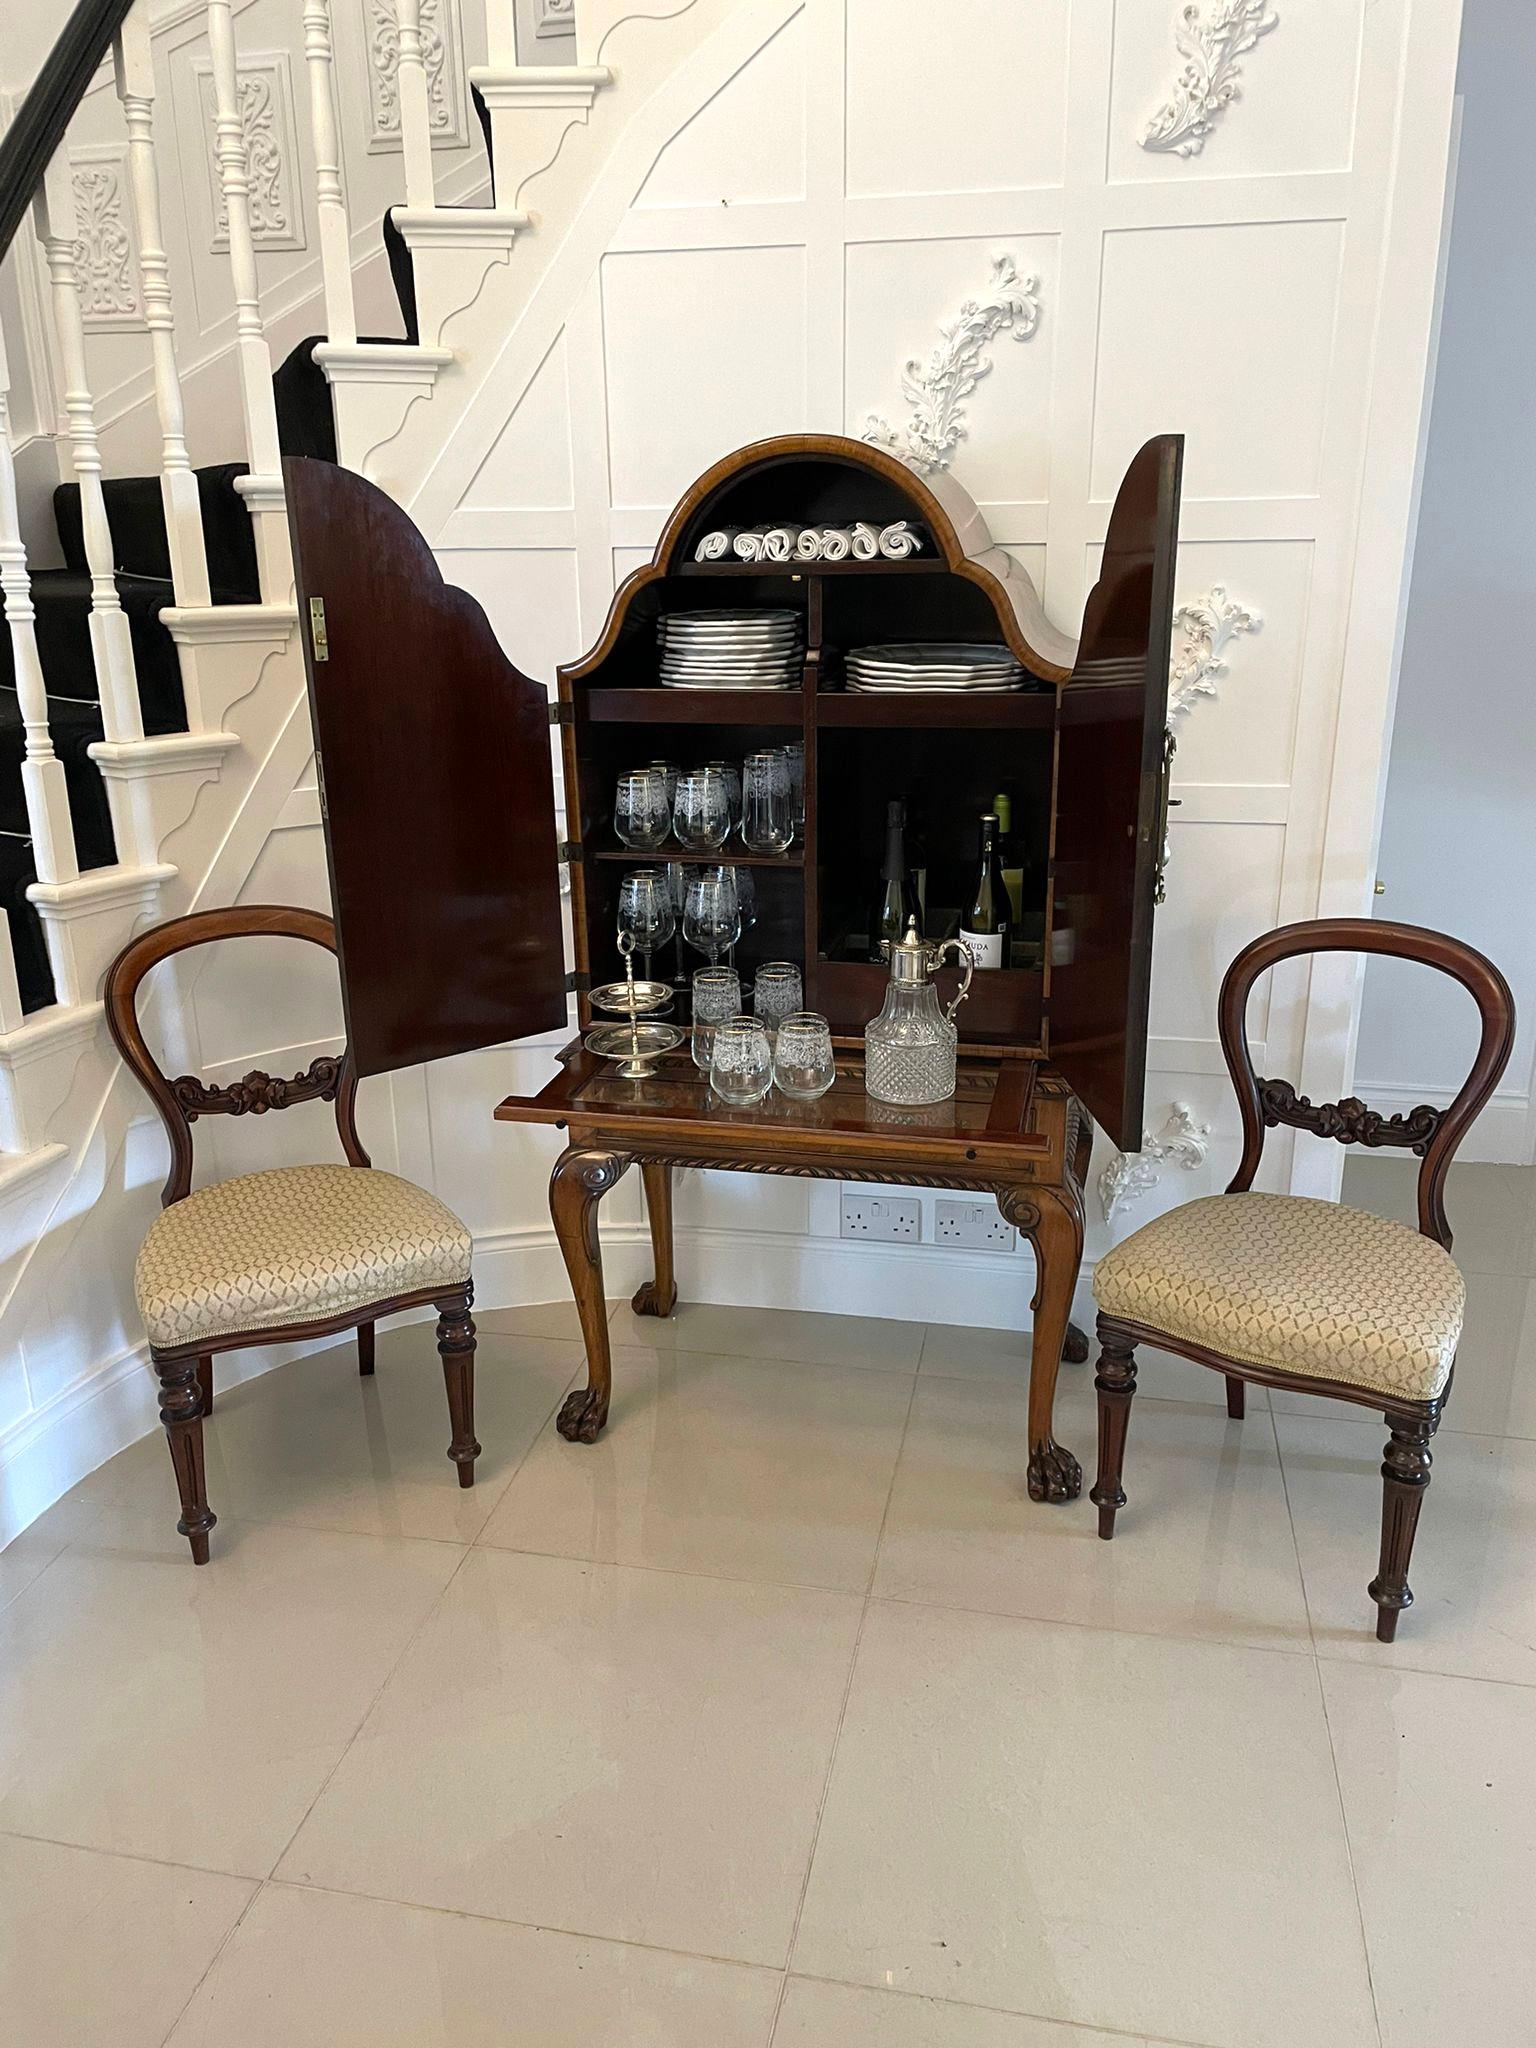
{"points": [[111, 1407]]}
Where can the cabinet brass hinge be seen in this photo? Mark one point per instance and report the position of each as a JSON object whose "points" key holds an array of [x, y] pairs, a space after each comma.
{"points": [[568, 850], [318, 639], [577, 983], [562, 714]]}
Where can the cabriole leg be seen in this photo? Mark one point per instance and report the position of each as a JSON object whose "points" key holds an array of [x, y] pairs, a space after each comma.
{"points": [[1405, 1475], [181, 1410], [1052, 1219], [658, 1297], [1115, 1381], [580, 1180], [456, 1347]]}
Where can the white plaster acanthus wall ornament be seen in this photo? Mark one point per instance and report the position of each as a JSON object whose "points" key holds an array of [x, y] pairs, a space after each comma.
{"points": [[447, 114], [109, 295], [1207, 85], [1126, 1176], [271, 152], [1204, 629], [937, 388]]}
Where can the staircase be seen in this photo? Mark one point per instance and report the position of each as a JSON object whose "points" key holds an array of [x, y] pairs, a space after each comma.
{"points": [[159, 657]]}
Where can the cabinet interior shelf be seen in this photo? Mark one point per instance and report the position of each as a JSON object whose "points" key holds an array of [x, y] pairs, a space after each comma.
{"points": [[656, 706], [918, 565], [721, 856]]}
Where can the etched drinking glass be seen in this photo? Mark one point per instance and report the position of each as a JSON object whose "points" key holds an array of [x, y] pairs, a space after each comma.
{"points": [[732, 778], [777, 993], [701, 816], [645, 911], [712, 912], [641, 816], [670, 770], [741, 1063], [803, 1062], [716, 996], [767, 819], [794, 754]]}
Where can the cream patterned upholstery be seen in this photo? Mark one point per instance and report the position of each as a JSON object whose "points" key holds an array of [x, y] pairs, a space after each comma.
{"points": [[292, 1245], [1283, 1282]]}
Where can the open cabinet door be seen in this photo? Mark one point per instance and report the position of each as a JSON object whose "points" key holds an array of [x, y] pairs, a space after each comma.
{"points": [[1110, 801], [436, 787]]}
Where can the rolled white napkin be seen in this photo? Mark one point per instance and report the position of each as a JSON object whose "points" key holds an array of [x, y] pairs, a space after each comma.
{"points": [[865, 542], [836, 544], [898, 543], [808, 544], [779, 543], [714, 547], [747, 547]]}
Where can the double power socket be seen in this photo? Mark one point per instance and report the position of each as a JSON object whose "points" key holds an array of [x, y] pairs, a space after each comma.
{"points": [[898, 1219]]}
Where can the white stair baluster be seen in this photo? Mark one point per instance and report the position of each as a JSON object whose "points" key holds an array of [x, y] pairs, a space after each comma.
{"points": [[330, 202], [178, 485], [415, 107], [112, 649], [42, 772], [262, 489]]}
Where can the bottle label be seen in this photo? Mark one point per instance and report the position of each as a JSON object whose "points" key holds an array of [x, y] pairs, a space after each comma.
{"points": [[987, 948]]}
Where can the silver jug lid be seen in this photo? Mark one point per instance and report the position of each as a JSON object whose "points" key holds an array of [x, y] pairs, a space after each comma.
{"points": [[911, 956]]}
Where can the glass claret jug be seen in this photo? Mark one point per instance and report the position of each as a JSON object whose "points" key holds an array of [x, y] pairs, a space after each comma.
{"points": [[909, 1049]]}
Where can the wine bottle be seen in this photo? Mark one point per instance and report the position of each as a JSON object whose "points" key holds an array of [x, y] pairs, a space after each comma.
{"points": [[897, 900], [987, 925], [1010, 856]]}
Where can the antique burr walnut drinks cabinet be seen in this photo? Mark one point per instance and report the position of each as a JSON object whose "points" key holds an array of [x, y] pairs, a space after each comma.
{"points": [[437, 791]]}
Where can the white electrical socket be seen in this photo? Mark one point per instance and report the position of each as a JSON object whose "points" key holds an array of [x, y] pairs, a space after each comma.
{"points": [[889, 1219], [976, 1226]]}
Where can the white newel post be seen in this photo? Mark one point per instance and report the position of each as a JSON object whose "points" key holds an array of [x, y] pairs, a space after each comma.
{"points": [[135, 69], [116, 681], [42, 772], [330, 203], [262, 489], [415, 108]]}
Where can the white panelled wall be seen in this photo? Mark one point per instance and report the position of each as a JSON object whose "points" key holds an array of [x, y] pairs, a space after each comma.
{"points": [[750, 216]]}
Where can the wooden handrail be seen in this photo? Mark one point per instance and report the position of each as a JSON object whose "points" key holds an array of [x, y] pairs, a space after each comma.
{"points": [[28, 145]]}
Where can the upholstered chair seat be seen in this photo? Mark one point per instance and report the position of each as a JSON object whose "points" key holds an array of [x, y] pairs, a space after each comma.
{"points": [[295, 1244], [1287, 1284]]}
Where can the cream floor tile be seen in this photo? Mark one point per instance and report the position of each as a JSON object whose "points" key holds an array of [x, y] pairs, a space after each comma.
{"points": [[1125, 1831], [796, 1334], [103, 1951], [1203, 1547], [1001, 1357], [30, 1553], [847, 2016], [315, 1970], [741, 1469], [1440, 1802], [1495, 1387], [1474, 1611], [1491, 1209], [614, 1752], [192, 1714], [328, 1449]]}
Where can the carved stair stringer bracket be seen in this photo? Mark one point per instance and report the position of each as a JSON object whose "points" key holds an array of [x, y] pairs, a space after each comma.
{"points": [[596, 21], [1207, 85], [38, 1064], [87, 921], [373, 387], [453, 250], [532, 108], [1126, 1176]]}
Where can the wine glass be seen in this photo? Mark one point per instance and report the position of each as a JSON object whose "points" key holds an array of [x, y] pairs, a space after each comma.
{"points": [[645, 911], [701, 816], [777, 993], [641, 815], [716, 996], [804, 1065], [794, 754], [746, 896], [712, 912], [767, 822], [740, 1062], [677, 884]]}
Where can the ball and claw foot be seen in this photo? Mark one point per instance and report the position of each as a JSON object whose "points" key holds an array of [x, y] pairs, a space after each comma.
{"points": [[1054, 1474], [646, 1302], [1074, 1349], [582, 1416]]}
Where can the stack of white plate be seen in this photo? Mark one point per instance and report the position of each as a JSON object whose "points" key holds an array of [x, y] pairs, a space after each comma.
{"points": [[731, 650], [932, 665]]}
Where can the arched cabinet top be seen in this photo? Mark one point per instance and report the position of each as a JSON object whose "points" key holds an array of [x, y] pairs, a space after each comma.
{"points": [[829, 479]]}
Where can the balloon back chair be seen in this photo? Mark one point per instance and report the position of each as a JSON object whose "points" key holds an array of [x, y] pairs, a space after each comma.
{"points": [[293, 1252], [1311, 1296]]}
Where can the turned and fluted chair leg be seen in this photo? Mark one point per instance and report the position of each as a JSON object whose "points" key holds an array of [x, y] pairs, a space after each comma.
{"points": [[365, 1350], [205, 1384], [181, 1410], [456, 1343], [1115, 1380], [1405, 1476], [1237, 1399]]}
